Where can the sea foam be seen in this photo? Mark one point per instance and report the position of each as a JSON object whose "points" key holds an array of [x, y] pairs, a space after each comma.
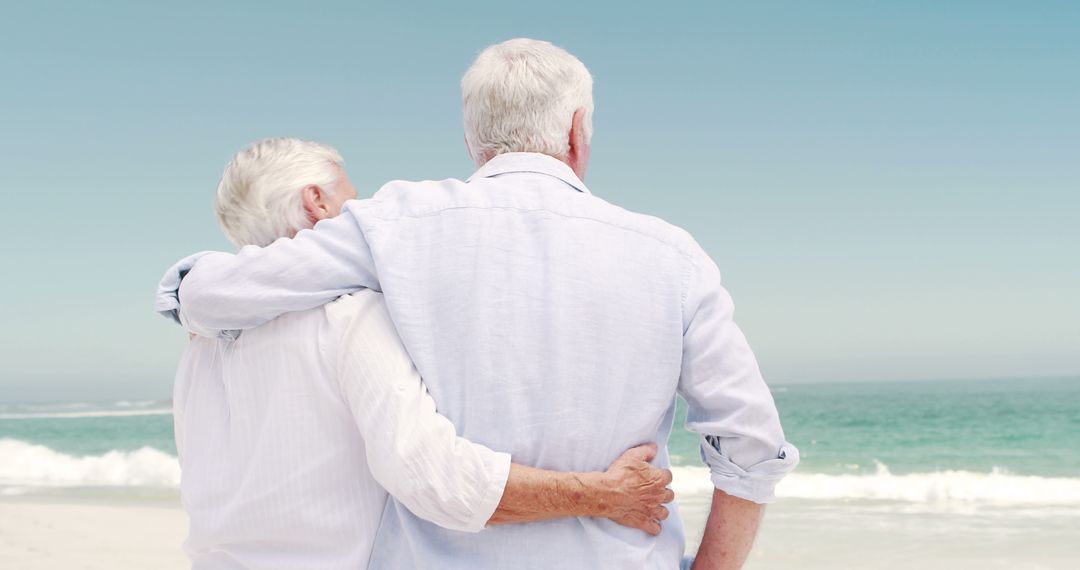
{"points": [[27, 464], [23, 463], [942, 487], [49, 410], [86, 414]]}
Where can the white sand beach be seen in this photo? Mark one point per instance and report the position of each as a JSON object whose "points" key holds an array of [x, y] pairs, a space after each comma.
{"points": [[41, 534], [46, 533]]}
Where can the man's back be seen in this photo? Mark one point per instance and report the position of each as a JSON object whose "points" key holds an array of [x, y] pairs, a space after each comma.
{"points": [[547, 323]]}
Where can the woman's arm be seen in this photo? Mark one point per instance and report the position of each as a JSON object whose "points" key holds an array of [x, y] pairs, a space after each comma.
{"points": [[415, 453]]}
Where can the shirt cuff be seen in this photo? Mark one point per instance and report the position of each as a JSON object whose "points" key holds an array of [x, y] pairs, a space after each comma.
{"points": [[498, 469], [167, 299], [756, 483]]}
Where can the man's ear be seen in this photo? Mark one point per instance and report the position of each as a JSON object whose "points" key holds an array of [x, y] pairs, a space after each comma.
{"points": [[314, 204], [578, 157]]}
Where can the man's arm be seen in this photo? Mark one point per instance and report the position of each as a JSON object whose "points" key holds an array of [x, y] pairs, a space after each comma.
{"points": [[631, 492], [223, 292], [731, 528], [730, 405], [415, 453]]}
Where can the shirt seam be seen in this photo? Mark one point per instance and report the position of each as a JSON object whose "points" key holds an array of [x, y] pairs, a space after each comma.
{"points": [[582, 190], [688, 278], [679, 248]]}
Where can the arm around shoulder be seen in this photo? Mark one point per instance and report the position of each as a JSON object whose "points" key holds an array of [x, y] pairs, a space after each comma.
{"points": [[231, 292]]}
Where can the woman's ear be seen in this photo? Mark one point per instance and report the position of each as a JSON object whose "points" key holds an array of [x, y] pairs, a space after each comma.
{"points": [[578, 157], [315, 205]]}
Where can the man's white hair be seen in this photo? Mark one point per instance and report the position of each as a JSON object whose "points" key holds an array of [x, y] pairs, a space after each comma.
{"points": [[520, 96], [259, 197]]}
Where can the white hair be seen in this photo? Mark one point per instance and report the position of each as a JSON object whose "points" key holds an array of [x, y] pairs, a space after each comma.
{"points": [[520, 96], [259, 197]]}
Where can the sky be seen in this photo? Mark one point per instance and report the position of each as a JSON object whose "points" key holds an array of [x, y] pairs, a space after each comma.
{"points": [[891, 190]]}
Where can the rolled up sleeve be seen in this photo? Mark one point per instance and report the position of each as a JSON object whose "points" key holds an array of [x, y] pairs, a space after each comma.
{"points": [[755, 483], [729, 404], [167, 298]]}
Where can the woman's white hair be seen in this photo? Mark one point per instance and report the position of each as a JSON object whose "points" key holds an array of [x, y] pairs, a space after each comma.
{"points": [[259, 197], [520, 96]]}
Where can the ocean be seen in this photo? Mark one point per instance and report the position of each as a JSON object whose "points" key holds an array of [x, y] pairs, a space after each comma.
{"points": [[965, 473]]}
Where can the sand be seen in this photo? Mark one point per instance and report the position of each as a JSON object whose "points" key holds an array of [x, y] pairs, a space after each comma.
{"points": [[51, 535], [48, 533]]}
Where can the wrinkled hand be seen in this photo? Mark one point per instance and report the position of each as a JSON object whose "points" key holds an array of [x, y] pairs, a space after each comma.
{"points": [[636, 491]]}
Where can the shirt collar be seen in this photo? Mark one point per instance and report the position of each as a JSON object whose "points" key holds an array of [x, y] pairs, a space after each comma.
{"points": [[510, 162]]}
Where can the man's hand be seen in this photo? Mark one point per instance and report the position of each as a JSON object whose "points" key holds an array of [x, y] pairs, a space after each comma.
{"points": [[632, 492]]}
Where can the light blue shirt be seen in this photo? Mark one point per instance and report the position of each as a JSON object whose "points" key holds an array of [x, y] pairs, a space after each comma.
{"points": [[546, 322]]}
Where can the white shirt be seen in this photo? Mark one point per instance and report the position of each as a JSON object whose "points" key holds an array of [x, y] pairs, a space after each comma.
{"points": [[546, 322], [290, 436]]}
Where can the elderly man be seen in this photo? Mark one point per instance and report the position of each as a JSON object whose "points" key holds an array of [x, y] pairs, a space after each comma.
{"points": [[546, 322], [290, 436]]}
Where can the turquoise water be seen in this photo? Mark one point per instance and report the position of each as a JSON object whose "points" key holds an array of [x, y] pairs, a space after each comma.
{"points": [[93, 435], [1023, 427], [935, 475]]}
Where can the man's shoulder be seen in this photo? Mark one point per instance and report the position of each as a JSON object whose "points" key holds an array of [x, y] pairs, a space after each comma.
{"points": [[404, 197], [417, 198], [645, 224]]}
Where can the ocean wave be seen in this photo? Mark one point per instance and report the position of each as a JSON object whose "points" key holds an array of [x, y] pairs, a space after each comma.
{"points": [[139, 403], [47, 406], [88, 414], [940, 487], [31, 465], [119, 408], [23, 463]]}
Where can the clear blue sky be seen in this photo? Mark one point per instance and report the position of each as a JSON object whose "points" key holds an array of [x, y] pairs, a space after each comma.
{"points": [[892, 190]]}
